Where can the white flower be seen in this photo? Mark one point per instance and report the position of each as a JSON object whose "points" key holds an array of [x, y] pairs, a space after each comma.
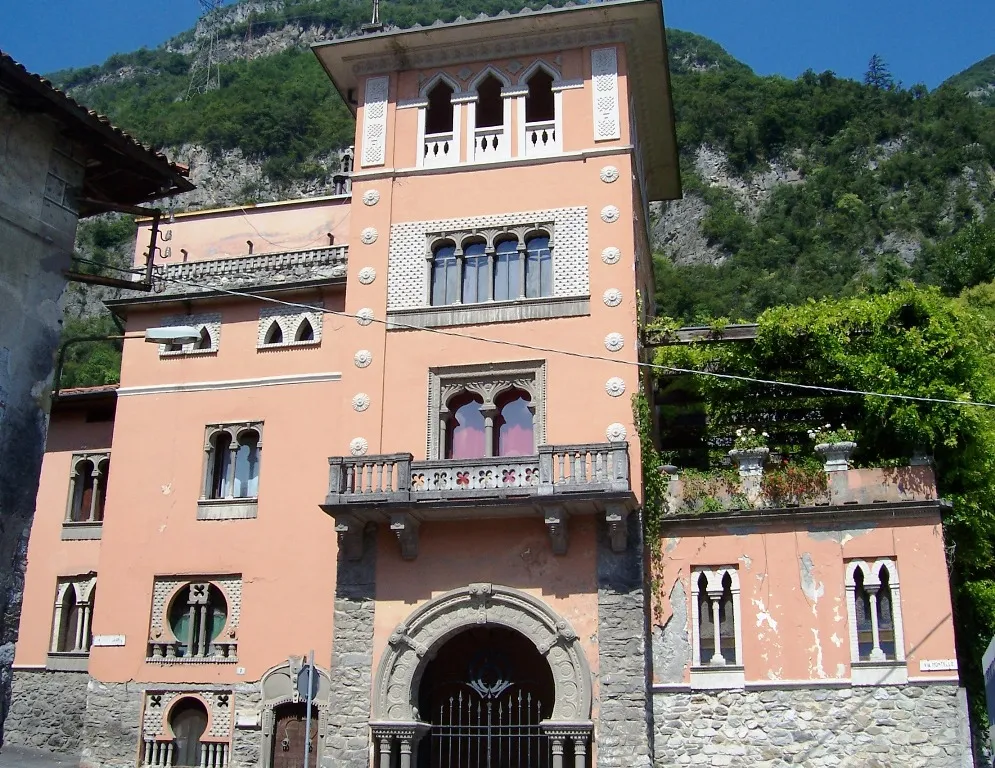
{"points": [[829, 426], [739, 433], [842, 426], [764, 434]]}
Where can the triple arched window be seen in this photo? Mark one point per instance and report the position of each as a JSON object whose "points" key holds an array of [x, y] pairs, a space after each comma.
{"points": [[499, 266]]}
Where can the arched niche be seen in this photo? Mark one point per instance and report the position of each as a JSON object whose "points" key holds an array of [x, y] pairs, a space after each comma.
{"points": [[413, 644]]}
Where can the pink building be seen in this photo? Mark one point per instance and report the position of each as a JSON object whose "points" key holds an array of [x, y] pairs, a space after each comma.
{"points": [[405, 440]]}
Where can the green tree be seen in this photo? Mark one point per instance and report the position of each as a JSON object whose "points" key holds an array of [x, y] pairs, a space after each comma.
{"points": [[878, 75]]}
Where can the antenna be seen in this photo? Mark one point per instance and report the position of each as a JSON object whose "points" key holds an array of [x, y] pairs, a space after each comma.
{"points": [[375, 24], [198, 82]]}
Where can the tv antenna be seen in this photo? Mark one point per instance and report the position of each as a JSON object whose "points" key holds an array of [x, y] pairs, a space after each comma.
{"points": [[375, 24], [199, 82]]}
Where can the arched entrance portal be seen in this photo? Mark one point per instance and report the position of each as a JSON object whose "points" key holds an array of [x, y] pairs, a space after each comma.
{"points": [[433, 657], [289, 734], [485, 695]]}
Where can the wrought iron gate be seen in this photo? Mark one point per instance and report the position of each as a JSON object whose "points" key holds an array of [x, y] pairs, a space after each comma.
{"points": [[489, 727]]}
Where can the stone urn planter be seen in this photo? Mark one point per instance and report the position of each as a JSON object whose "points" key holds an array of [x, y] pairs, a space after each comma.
{"points": [[836, 456], [750, 460]]}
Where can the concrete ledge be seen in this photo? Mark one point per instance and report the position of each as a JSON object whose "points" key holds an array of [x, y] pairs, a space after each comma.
{"points": [[68, 662], [490, 312], [879, 673], [227, 509], [82, 531], [718, 677]]}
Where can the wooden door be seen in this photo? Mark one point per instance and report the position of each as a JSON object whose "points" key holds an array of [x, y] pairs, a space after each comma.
{"points": [[288, 736]]}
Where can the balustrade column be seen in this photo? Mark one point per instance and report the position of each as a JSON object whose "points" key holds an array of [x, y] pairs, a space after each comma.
{"points": [[876, 653], [715, 597], [580, 750], [169, 753]]}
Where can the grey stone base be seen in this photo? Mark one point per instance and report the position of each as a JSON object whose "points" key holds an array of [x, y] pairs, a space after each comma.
{"points": [[113, 725], [46, 710], [909, 726]]}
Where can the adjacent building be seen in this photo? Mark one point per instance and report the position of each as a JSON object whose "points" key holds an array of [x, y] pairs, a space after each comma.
{"points": [[58, 163], [405, 440]]}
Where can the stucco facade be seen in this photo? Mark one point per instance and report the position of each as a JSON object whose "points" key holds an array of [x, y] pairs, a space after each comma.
{"points": [[405, 440]]}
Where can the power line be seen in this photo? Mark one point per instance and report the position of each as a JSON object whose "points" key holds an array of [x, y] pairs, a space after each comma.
{"points": [[585, 355]]}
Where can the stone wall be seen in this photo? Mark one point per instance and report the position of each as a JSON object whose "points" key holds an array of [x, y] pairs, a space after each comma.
{"points": [[347, 745], [247, 743], [622, 731], [38, 172], [112, 728], [908, 726], [47, 710]]}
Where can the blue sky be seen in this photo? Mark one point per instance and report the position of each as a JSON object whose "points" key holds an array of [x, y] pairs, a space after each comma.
{"points": [[922, 40]]}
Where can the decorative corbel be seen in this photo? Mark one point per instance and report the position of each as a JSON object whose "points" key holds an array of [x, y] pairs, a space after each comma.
{"points": [[617, 515], [350, 531], [556, 521], [405, 527]]}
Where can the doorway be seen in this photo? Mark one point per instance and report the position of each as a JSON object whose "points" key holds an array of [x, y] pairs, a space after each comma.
{"points": [[485, 694], [290, 726], [188, 721]]}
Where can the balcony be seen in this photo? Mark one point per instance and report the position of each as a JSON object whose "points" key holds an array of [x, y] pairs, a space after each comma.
{"points": [[440, 150], [541, 139], [491, 144], [562, 480]]}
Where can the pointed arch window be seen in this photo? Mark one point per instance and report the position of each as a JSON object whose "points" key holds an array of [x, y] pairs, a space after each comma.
{"points": [[514, 425], [440, 127], [508, 268], [538, 267], [208, 327], [274, 335], [476, 273], [445, 275], [875, 612], [716, 628], [465, 428], [489, 120], [71, 626], [305, 331], [539, 103], [87, 492]]}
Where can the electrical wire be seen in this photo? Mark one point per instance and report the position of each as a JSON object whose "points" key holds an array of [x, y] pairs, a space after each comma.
{"points": [[585, 355]]}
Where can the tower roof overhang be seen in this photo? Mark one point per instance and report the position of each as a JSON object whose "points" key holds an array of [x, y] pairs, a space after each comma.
{"points": [[637, 24]]}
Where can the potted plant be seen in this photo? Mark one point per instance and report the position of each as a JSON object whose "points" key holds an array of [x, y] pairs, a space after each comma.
{"points": [[750, 451], [834, 445]]}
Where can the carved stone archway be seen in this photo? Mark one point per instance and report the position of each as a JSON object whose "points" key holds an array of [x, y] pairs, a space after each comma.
{"points": [[413, 644]]}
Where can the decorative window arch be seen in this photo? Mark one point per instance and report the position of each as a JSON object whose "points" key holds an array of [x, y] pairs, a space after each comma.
{"points": [[195, 620], [488, 116], [717, 628], [187, 728], [478, 411], [540, 110], [874, 610], [208, 327], [88, 487], [232, 458], [493, 264], [279, 689], [414, 643], [73, 616], [281, 327], [439, 121]]}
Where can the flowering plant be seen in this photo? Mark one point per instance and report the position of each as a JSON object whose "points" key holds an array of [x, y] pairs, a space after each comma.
{"points": [[827, 434], [749, 438]]}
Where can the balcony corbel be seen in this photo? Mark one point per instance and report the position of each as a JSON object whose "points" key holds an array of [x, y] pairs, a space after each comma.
{"points": [[405, 527], [350, 533], [556, 521], [617, 517]]}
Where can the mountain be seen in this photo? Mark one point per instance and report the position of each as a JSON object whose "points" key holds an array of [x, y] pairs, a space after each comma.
{"points": [[794, 188], [977, 81]]}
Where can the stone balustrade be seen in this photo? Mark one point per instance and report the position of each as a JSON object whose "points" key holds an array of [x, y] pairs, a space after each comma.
{"points": [[558, 481], [171, 651]]}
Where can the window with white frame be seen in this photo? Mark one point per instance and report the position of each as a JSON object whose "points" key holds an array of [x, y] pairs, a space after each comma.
{"points": [[71, 626], [209, 334], [288, 327], [439, 121], [716, 621], [875, 612], [505, 264], [540, 111]]}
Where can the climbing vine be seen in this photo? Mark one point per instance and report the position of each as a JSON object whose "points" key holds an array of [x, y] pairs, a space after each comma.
{"points": [[911, 341]]}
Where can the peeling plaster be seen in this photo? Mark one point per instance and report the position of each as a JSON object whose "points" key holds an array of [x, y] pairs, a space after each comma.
{"points": [[813, 589], [837, 641], [167, 489], [671, 544], [840, 535], [764, 617], [815, 669], [747, 561], [840, 671], [775, 674], [744, 530]]}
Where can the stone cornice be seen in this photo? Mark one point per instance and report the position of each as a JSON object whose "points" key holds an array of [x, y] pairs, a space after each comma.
{"points": [[836, 515]]}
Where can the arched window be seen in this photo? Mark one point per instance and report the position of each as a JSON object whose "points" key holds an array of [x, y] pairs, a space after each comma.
{"points": [[875, 612], [465, 437], [490, 105], [305, 331], [507, 270], [197, 616], [538, 267], [221, 461], [83, 497], [513, 433], [715, 594], [445, 275], [188, 721], [274, 335], [69, 619], [476, 273], [247, 466], [204, 342], [439, 115], [539, 103]]}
